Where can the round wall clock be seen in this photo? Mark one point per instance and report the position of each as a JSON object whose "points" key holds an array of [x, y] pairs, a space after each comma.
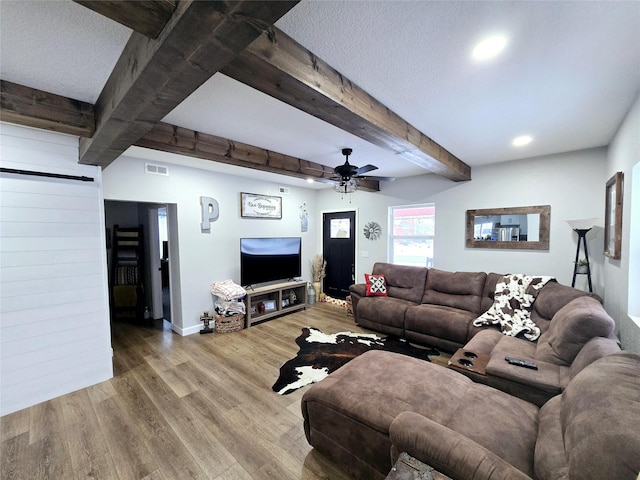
{"points": [[372, 231]]}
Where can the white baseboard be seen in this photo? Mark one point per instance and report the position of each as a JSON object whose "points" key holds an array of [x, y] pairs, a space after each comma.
{"points": [[186, 331]]}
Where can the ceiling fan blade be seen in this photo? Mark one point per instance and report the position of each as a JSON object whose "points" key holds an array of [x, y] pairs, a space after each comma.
{"points": [[380, 179], [366, 168]]}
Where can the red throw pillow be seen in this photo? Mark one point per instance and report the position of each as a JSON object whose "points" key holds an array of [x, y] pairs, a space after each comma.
{"points": [[376, 285]]}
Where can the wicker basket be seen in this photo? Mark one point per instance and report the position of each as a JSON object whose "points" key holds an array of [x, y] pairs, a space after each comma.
{"points": [[232, 323]]}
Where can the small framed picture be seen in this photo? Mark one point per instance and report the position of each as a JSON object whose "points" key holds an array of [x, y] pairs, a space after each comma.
{"points": [[269, 305]]}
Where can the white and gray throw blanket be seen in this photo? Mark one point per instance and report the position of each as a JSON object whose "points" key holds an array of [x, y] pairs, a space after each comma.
{"points": [[512, 303]]}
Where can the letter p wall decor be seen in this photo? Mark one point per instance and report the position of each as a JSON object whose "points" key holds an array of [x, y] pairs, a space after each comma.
{"points": [[210, 212]]}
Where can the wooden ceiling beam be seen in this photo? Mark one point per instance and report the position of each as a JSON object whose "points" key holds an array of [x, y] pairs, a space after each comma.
{"points": [[35, 108], [152, 77], [147, 17], [277, 65], [182, 141]]}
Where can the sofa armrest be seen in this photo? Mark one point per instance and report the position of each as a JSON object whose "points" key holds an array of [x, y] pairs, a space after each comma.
{"points": [[356, 291], [359, 289], [448, 451]]}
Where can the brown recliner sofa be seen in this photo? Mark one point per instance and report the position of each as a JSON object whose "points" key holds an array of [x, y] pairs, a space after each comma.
{"points": [[380, 404], [437, 308]]}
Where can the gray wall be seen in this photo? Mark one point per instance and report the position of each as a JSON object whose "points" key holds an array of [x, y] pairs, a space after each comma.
{"points": [[205, 257], [572, 183], [622, 155], [565, 181]]}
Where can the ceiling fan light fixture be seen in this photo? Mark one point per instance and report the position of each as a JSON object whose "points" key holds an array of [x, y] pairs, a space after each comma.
{"points": [[345, 175], [349, 186]]}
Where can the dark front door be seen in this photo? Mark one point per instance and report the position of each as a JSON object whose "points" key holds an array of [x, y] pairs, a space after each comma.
{"points": [[339, 250]]}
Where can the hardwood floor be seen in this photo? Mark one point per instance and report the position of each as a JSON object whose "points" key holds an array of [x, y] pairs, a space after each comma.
{"points": [[199, 406]]}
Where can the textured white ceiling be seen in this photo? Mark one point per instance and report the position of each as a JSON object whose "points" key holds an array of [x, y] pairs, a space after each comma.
{"points": [[59, 47], [568, 75]]}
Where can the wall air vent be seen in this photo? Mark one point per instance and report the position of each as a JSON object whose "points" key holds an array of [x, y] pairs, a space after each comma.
{"points": [[284, 190], [157, 169]]}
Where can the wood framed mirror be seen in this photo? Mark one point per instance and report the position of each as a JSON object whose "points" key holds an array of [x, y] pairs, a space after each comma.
{"points": [[613, 217], [509, 228]]}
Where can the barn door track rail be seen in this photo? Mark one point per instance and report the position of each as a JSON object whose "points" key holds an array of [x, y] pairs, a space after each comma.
{"points": [[47, 174]]}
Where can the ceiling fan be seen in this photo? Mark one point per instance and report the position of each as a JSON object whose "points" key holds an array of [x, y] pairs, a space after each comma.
{"points": [[345, 175]]}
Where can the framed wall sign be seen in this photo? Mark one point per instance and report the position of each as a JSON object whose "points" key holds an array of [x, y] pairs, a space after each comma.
{"points": [[613, 217], [253, 205]]}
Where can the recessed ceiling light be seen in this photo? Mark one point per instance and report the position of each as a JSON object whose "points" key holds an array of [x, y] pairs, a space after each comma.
{"points": [[309, 180], [521, 141], [489, 48]]}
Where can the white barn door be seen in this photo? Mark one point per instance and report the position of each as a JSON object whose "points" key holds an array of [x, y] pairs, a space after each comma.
{"points": [[54, 311]]}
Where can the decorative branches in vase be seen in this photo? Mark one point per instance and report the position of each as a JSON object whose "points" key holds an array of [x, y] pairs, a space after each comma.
{"points": [[318, 272]]}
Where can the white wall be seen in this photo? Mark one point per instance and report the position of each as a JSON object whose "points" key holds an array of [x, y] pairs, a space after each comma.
{"points": [[571, 183], [54, 324], [208, 257], [623, 154]]}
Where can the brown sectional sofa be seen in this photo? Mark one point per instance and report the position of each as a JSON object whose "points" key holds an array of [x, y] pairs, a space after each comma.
{"points": [[437, 308], [380, 404], [576, 417]]}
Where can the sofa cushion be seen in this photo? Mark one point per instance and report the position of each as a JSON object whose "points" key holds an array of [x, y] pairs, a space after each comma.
{"points": [[376, 285], [386, 310], [507, 346], [439, 321], [571, 328], [546, 378], [600, 413], [403, 281], [461, 290]]}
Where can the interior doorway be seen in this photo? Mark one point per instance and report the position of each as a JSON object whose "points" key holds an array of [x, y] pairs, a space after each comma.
{"points": [[158, 226], [339, 250], [159, 262]]}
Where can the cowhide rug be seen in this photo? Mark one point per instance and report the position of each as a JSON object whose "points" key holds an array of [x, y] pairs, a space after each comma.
{"points": [[320, 354]]}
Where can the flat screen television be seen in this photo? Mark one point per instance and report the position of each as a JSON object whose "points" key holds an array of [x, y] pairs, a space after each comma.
{"points": [[269, 259]]}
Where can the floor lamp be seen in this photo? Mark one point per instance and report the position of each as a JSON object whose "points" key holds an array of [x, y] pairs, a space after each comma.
{"points": [[581, 227]]}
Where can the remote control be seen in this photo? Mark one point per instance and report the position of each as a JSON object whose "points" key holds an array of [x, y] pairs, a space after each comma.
{"points": [[521, 363]]}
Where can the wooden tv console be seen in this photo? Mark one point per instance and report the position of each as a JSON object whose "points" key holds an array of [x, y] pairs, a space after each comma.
{"points": [[275, 299]]}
